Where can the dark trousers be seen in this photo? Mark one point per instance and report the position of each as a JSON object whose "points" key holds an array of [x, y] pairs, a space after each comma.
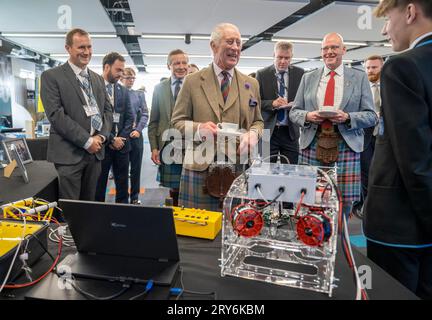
{"points": [[281, 143], [411, 267], [135, 159], [365, 161], [120, 165], [78, 181]]}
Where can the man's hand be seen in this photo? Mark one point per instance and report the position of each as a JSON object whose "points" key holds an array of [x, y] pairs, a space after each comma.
{"points": [[135, 134], [279, 102], [248, 140], [118, 143], [155, 156], [96, 145], [98, 138], [208, 129], [340, 117], [314, 117]]}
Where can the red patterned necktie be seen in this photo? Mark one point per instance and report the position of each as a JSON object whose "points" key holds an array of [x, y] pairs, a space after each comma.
{"points": [[329, 97], [330, 90], [225, 85]]}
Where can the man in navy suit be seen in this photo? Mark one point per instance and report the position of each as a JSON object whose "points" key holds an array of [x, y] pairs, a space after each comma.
{"points": [[398, 214], [118, 146], [328, 138]]}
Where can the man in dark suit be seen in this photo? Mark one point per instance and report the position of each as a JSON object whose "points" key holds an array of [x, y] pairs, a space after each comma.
{"points": [[278, 87], [118, 146], [80, 115], [140, 113], [373, 66], [398, 214]]}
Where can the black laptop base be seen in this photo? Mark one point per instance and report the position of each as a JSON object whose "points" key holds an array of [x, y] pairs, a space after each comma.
{"points": [[118, 268]]}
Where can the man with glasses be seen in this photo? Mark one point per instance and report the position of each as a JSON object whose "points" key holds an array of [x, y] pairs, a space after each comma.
{"points": [[140, 113], [335, 137]]}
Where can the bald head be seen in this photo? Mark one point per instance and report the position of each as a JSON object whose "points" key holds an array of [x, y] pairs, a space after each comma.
{"points": [[332, 50], [333, 36]]}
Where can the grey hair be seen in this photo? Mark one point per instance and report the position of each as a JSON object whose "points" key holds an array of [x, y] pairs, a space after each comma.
{"points": [[283, 45], [216, 34]]}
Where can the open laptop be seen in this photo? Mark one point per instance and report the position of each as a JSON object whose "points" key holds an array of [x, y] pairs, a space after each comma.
{"points": [[121, 242]]}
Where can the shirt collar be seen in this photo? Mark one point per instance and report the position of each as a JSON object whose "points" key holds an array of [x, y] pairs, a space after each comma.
{"points": [[218, 70], [372, 84], [417, 41], [77, 70], [278, 71], [339, 70], [109, 83], [174, 79]]}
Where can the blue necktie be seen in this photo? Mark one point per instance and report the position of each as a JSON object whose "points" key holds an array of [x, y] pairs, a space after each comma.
{"points": [[281, 93], [178, 83], [96, 119], [109, 89]]}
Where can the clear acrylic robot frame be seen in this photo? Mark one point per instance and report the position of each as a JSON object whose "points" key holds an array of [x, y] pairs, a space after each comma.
{"points": [[289, 244]]}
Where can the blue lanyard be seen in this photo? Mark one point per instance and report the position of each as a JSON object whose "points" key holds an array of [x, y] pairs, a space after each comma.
{"points": [[424, 43]]}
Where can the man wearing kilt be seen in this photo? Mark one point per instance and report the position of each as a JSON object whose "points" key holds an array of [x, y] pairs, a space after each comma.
{"points": [[216, 94], [332, 107], [164, 97]]}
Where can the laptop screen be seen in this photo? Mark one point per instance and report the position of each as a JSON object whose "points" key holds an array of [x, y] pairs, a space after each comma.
{"points": [[122, 229]]}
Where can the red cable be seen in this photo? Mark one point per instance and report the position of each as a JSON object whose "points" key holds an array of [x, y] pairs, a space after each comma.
{"points": [[60, 245], [299, 204]]}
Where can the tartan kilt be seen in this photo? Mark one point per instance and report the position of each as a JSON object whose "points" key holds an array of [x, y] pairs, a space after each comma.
{"points": [[348, 169], [191, 191], [169, 175]]}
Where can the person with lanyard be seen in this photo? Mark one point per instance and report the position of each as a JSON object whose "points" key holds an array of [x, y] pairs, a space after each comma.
{"points": [[118, 145], [334, 137], [216, 94], [398, 216], [278, 87], [80, 115], [140, 113], [373, 66], [164, 97]]}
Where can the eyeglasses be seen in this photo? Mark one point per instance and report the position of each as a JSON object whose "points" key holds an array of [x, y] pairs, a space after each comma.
{"points": [[327, 48], [129, 78]]}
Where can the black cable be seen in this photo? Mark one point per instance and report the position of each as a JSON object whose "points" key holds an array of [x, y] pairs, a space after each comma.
{"points": [[43, 247], [88, 295], [281, 190]]}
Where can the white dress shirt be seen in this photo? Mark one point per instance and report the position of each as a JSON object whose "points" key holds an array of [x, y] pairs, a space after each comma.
{"points": [[339, 86], [219, 75]]}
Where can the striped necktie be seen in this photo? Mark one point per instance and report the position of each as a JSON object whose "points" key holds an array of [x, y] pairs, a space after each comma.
{"points": [[96, 119], [281, 113], [225, 85]]}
